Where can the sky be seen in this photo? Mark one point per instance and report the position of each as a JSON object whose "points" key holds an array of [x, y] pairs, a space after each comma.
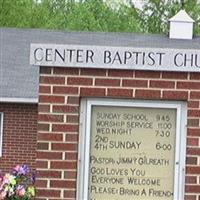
{"points": [[137, 3]]}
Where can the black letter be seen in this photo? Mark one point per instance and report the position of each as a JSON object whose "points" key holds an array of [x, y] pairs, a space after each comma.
{"points": [[196, 60], [127, 55], [89, 56], [186, 60], [107, 54], [152, 59], [48, 54], [70, 54], [61, 56], [175, 61], [117, 57], [136, 56], [79, 55], [35, 56], [160, 58]]}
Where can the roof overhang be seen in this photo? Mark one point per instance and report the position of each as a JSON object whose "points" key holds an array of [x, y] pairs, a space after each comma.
{"points": [[19, 100]]}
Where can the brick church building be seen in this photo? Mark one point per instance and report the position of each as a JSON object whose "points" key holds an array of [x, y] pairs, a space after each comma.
{"points": [[126, 126]]}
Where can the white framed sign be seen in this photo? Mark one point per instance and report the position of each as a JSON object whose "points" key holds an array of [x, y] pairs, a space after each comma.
{"points": [[131, 149]]}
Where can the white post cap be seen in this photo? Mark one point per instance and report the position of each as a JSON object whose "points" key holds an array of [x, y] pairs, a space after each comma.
{"points": [[181, 26]]}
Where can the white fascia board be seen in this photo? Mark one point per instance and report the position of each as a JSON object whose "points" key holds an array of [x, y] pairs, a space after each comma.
{"points": [[18, 100]]}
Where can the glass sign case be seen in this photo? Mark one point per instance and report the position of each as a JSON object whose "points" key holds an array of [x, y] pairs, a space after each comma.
{"points": [[131, 150]]}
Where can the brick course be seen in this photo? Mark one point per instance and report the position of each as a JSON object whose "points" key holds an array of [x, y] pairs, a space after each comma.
{"points": [[19, 135], [58, 125]]}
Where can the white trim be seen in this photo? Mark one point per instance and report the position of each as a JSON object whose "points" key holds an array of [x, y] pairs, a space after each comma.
{"points": [[81, 167], [1, 133], [84, 144], [182, 153], [18, 100]]}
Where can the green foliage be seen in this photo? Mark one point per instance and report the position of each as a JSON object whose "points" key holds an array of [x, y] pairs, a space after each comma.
{"points": [[156, 14], [88, 15], [192, 7], [15, 13], [95, 15]]}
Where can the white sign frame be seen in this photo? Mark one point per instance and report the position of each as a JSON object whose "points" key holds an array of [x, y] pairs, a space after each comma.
{"points": [[84, 138], [1, 133]]}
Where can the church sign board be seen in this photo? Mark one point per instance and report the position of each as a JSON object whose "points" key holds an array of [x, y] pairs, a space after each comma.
{"points": [[131, 150], [134, 58]]}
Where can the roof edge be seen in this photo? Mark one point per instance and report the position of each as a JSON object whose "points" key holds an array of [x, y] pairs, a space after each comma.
{"points": [[181, 16], [19, 100]]}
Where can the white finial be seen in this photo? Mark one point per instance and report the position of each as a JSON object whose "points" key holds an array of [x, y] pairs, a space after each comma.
{"points": [[181, 26]]}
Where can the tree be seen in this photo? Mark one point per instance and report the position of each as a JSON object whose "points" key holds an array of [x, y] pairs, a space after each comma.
{"points": [[88, 15], [156, 13], [15, 13], [96, 15], [192, 7]]}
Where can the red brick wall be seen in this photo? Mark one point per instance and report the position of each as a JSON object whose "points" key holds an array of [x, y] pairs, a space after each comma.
{"points": [[59, 100], [19, 135]]}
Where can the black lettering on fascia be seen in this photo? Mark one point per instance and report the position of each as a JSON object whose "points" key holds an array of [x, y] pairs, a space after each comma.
{"points": [[127, 56], [36, 53], [89, 55], [48, 55], [160, 57], [79, 56], [137, 57], [107, 57], [197, 58], [71, 51], [151, 56], [188, 59], [175, 60], [117, 58], [143, 58], [58, 54]]}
